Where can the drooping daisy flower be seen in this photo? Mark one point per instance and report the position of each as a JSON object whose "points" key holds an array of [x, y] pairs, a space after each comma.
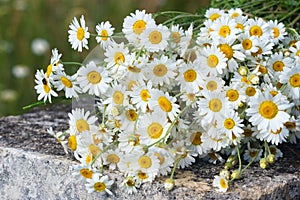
{"points": [[135, 24], [81, 121], [164, 103], [274, 137], [68, 83], [252, 154], [43, 86], [93, 79], [268, 113], [128, 141], [221, 183], [291, 77], [212, 61], [161, 71], [155, 38], [55, 64], [99, 183], [78, 34], [182, 153], [104, 31]]}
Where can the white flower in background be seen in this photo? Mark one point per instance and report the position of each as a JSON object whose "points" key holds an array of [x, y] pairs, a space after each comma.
{"points": [[78, 34], [20, 71], [104, 32], [43, 86], [39, 46]]}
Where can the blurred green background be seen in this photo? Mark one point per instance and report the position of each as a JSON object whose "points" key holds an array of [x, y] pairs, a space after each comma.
{"points": [[29, 29]]}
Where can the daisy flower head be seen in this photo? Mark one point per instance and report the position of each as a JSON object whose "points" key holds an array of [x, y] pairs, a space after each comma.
{"points": [[153, 127], [111, 158], [295, 50], [291, 77], [268, 113], [235, 94], [257, 27], [235, 12], [78, 34], [231, 125], [55, 64], [164, 103], [274, 137], [221, 183], [82, 172], [176, 33], [248, 44], [43, 86], [212, 60], [277, 63], [81, 121], [213, 84], [104, 32], [165, 158], [128, 141], [223, 27], [117, 96], [252, 154], [186, 40], [135, 24], [161, 71], [155, 38], [99, 183], [264, 47], [141, 95], [62, 81], [181, 152], [93, 79], [128, 118], [194, 141], [278, 31], [214, 13], [116, 55], [129, 185]]}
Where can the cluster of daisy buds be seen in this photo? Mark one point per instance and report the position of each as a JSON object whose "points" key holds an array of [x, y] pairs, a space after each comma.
{"points": [[168, 94]]}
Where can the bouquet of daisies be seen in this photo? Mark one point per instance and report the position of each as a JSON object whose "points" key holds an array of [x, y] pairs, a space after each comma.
{"points": [[225, 91]]}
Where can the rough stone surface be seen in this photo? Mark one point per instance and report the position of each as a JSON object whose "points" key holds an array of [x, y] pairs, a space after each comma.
{"points": [[34, 166]]}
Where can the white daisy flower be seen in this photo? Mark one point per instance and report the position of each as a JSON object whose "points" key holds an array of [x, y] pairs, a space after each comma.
{"points": [[116, 55], [212, 61], [93, 79], [277, 63], [135, 24], [182, 153], [231, 125], [186, 41], [278, 30], [67, 83], [81, 121], [155, 38], [104, 32], [235, 94], [175, 36], [55, 64], [267, 112], [257, 27], [248, 44], [252, 154], [221, 183], [291, 77], [81, 172], [235, 12], [194, 141], [214, 13], [213, 84], [223, 27], [264, 46], [274, 137], [111, 158], [161, 71], [128, 141], [128, 118], [166, 160], [141, 95], [275, 151], [99, 183], [129, 185], [43, 86], [295, 50], [78, 34]]}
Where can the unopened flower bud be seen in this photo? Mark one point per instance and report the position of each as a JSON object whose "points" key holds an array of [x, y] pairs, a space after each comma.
{"points": [[236, 174], [263, 163], [243, 71], [169, 184], [254, 79], [228, 165], [271, 158]]}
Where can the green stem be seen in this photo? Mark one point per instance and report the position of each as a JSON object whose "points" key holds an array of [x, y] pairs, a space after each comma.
{"points": [[175, 166], [72, 63], [239, 157]]}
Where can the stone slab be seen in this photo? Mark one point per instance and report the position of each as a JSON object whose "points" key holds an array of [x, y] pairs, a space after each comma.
{"points": [[34, 166]]}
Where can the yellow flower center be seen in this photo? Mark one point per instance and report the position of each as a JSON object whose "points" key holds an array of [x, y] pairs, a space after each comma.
{"points": [[94, 150], [244, 79], [134, 69], [80, 33], [142, 175], [155, 130], [268, 109], [164, 104], [278, 66], [139, 26], [250, 91], [88, 159], [94, 77], [99, 186], [295, 80], [131, 115], [258, 52], [229, 123], [223, 183], [247, 133], [212, 61], [214, 16], [160, 70], [119, 58], [256, 30], [232, 95], [72, 143], [49, 70], [262, 69], [276, 32], [145, 162], [144, 94], [46, 88], [118, 97], [215, 105], [196, 138], [104, 35], [175, 37], [247, 44], [155, 37], [113, 158], [86, 173], [290, 125], [253, 153], [211, 85], [224, 31], [273, 93], [190, 75], [240, 26], [227, 50], [234, 15], [131, 84], [66, 82], [134, 140], [298, 53], [82, 125]]}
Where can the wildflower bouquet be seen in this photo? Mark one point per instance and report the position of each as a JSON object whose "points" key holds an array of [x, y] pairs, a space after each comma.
{"points": [[225, 91]]}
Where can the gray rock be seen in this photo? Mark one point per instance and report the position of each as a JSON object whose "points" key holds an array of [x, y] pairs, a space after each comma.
{"points": [[34, 166]]}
